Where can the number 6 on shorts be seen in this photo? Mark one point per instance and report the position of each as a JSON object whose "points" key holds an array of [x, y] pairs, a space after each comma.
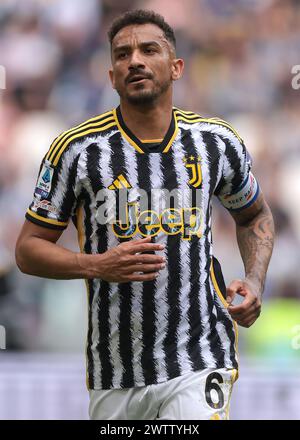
{"points": [[218, 389]]}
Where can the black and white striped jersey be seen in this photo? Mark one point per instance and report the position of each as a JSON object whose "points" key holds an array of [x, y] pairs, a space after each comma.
{"points": [[143, 333]]}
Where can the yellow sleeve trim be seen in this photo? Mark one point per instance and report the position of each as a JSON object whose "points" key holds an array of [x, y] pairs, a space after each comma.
{"points": [[193, 117], [217, 289], [59, 140], [78, 136], [46, 220], [64, 141]]}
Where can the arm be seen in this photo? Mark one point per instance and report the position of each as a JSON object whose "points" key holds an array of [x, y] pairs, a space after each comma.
{"points": [[38, 254], [255, 236]]}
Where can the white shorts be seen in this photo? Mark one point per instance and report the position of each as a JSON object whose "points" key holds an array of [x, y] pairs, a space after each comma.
{"points": [[201, 395]]}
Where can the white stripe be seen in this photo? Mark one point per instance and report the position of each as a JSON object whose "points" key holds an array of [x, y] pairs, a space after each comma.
{"points": [[137, 288]]}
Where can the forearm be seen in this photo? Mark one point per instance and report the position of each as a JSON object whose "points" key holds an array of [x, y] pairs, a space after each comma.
{"points": [[255, 239], [129, 261], [39, 257]]}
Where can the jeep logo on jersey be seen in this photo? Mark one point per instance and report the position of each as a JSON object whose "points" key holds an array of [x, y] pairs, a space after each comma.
{"points": [[172, 221], [193, 164], [135, 211]]}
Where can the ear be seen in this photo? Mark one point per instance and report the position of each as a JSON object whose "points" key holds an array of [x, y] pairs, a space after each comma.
{"points": [[111, 76], [177, 68]]}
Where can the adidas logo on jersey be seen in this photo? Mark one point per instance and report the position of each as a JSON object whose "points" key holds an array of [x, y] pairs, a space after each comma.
{"points": [[120, 183]]}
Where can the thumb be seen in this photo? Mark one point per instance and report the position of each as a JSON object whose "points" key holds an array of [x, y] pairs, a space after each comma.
{"points": [[232, 290]]}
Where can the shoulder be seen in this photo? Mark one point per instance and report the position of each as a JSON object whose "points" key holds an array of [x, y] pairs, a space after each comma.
{"points": [[74, 138], [214, 125]]}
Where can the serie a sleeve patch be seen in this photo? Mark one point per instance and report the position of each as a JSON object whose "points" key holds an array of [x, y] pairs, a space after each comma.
{"points": [[244, 197], [43, 186]]}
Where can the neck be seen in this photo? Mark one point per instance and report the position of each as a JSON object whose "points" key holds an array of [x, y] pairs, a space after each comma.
{"points": [[147, 122]]}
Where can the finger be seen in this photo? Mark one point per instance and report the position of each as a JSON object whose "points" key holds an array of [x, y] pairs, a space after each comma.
{"points": [[141, 277], [249, 317], [141, 240], [132, 243], [146, 259], [144, 268], [249, 301], [246, 304], [146, 247], [249, 321], [232, 290], [243, 315]]}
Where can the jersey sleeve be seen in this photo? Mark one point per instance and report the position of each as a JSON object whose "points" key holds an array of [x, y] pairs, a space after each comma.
{"points": [[238, 188], [54, 198]]}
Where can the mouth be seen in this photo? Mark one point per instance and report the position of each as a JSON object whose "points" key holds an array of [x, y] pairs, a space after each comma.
{"points": [[137, 79]]}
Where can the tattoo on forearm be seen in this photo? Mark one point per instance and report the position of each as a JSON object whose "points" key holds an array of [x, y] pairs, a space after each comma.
{"points": [[256, 241], [264, 231]]}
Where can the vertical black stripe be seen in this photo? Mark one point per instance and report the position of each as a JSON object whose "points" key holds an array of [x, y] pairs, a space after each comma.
{"points": [[55, 178], [88, 249], [69, 196], [89, 354], [213, 154], [194, 311], [118, 166], [215, 342], [170, 342], [222, 316], [149, 287], [103, 321], [235, 163], [93, 159], [104, 330]]}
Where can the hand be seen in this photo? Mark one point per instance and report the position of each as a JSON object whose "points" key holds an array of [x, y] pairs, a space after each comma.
{"points": [[126, 262], [246, 313]]}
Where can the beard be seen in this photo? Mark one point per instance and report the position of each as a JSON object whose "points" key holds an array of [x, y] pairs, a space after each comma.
{"points": [[142, 96]]}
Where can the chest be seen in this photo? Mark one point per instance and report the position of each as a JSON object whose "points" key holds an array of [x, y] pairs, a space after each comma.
{"points": [[186, 166]]}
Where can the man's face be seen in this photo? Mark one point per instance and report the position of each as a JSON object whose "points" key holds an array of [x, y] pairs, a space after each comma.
{"points": [[143, 63]]}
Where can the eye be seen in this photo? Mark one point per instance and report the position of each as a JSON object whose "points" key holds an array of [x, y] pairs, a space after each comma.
{"points": [[121, 55], [150, 50]]}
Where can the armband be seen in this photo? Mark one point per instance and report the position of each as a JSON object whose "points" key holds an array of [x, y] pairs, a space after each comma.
{"points": [[245, 196]]}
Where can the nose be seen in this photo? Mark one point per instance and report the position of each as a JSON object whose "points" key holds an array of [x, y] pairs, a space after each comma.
{"points": [[136, 60]]}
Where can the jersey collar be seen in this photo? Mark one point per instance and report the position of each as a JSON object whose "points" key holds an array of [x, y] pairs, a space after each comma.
{"points": [[140, 146]]}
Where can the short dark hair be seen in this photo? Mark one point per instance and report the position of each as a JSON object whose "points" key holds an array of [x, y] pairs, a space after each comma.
{"points": [[141, 16]]}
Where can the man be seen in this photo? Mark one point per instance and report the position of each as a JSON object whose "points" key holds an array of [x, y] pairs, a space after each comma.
{"points": [[137, 182]]}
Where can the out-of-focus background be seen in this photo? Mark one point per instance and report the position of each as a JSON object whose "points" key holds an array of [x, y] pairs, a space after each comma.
{"points": [[241, 59]]}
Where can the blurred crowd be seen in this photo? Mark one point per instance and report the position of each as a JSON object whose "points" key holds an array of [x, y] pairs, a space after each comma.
{"points": [[239, 56]]}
